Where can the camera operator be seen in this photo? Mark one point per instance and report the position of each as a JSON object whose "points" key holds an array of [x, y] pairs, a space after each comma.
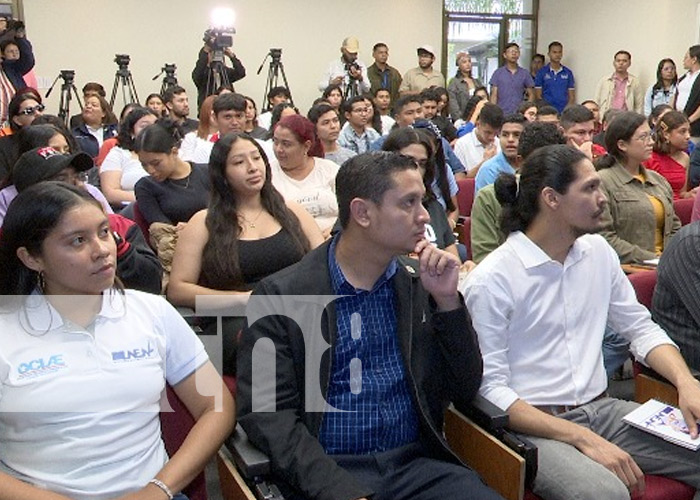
{"points": [[17, 60], [348, 71], [200, 73]]}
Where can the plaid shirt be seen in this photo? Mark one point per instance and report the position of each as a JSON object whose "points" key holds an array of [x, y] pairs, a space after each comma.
{"points": [[368, 380]]}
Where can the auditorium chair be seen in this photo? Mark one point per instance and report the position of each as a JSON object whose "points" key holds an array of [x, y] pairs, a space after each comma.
{"points": [[684, 209], [465, 196]]}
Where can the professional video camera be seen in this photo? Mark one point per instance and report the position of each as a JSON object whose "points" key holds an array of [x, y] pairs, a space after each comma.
{"points": [[353, 65], [219, 38], [122, 60]]}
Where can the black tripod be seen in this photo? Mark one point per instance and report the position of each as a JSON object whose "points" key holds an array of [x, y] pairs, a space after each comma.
{"points": [[123, 78], [67, 91], [276, 67], [217, 76], [169, 80]]}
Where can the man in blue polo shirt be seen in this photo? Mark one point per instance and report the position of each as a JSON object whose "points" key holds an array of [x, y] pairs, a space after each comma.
{"points": [[555, 82], [507, 160]]}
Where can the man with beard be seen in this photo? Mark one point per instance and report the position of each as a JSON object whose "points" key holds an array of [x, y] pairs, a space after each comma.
{"points": [[424, 76], [540, 304], [179, 109], [348, 71], [327, 123]]}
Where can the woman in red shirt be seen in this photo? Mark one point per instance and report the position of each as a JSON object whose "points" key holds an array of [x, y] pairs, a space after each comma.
{"points": [[669, 157]]}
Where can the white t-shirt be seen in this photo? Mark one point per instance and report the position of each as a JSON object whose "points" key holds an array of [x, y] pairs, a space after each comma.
{"points": [[195, 149], [684, 87], [79, 410], [122, 160], [316, 192], [387, 123], [470, 151]]}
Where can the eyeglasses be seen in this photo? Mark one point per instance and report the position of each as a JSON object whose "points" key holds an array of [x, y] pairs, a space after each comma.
{"points": [[74, 178], [32, 109], [644, 137], [360, 110]]}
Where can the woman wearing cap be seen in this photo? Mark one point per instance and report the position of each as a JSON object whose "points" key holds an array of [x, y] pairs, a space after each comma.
{"points": [[85, 364], [137, 265], [462, 86]]}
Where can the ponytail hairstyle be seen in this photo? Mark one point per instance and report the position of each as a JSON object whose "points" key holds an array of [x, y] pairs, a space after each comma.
{"points": [[549, 166], [669, 122], [622, 128], [161, 137]]}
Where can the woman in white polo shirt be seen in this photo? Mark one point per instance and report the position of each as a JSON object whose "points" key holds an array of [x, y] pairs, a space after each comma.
{"points": [[84, 363]]}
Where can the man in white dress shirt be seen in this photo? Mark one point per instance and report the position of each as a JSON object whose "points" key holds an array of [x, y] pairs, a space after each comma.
{"points": [[540, 304], [348, 71]]}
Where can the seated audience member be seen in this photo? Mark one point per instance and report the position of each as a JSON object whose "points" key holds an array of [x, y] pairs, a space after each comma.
{"points": [[196, 146], [17, 61], [336, 452], [108, 144], [247, 232], [577, 123], [335, 97], [407, 109], [522, 299], [418, 144], [470, 114], [608, 117], [663, 91], [174, 189], [275, 96], [547, 113], [121, 168], [486, 235], [444, 185], [638, 220], [443, 105], [669, 157], [462, 86], [481, 144], [429, 101], [23, 109], [506, 161], [675, 303], [137, 265], [529, 110], [251, 120], [61, 295], [60, 125], [356, 135], [90, 88], [280, 111], [99, 124], [201, 74], [595, 109], [41, 136], [656, 113], [374, 119], [303, 175], [382, 103], [156, 103], [178, 105], [327, 124]]}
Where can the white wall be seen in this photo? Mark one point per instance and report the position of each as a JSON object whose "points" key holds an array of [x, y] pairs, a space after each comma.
{"points": [[593, 30], [86, 34]]}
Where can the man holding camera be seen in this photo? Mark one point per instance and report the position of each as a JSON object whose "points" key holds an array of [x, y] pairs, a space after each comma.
{"points": [[15, 66], [213, 43], [348, 72]]}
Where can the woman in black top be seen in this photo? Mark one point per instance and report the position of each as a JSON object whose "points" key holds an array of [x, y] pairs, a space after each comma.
{"points": [[248, 232], [175, 189]]}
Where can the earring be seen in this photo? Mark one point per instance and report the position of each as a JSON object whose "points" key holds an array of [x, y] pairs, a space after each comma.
{"points": [[41, 282]]}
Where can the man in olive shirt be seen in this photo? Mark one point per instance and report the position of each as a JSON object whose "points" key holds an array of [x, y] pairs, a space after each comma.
{"points": [[424, 76], [381, 75]]}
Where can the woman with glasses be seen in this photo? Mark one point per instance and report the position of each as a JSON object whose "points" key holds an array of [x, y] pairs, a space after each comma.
{"points": [[663, 91], [638, 219], [85, 363], [23, 109], [99, 124]]}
